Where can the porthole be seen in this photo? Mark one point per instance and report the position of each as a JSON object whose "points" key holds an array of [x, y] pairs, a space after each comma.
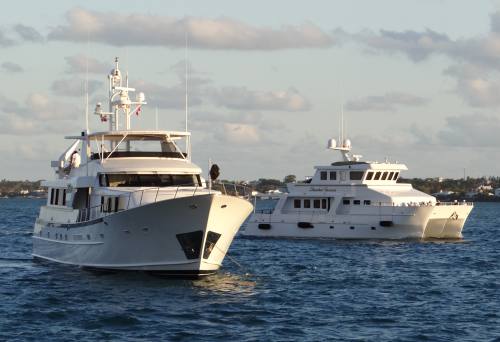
{"points": [[351, 227]]}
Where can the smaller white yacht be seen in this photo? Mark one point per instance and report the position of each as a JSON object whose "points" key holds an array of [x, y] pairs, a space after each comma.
{"points": [[133, 200], [354, 199]]}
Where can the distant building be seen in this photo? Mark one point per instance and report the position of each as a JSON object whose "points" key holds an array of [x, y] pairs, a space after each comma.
{"points": [[497, 192], [442, 193]]}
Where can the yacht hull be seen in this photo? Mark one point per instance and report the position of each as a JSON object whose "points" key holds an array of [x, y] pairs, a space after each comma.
{"points": [[174, 237], [447, 222], [406, 223]]}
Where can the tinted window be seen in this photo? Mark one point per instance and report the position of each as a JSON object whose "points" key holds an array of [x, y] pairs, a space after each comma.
{"points": [[317, 203], [384, 176], [52, 196], [64, 197], [367, 202], [356, 202], [210, 242], [153, 180], [356, 175], [323, 175], [333, 175], [396, 175], [56, 201], [346, 201], [191, 243], [369, 176], [323, 203], [377, 176], [296, 203], [307, 203], [391, 176]]}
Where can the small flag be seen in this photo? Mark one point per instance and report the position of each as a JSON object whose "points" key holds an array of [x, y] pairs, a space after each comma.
{"points": [[138, 111]]}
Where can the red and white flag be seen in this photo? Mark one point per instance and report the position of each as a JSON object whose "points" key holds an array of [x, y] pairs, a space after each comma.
{"points": [[138, 111]]}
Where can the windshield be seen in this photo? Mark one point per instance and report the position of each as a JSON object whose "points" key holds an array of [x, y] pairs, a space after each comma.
{"points": [[153, 180]]}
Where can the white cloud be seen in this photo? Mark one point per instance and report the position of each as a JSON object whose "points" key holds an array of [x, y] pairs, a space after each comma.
{"points": [[478, 86], [241, 98], [240, 133], [203, 33], [473, 130], [81, 64], [28, 33], [74, 87], [388, 102], [12, 67]]}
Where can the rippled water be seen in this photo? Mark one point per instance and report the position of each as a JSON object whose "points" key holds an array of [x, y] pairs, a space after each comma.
{"points": [[273, 290]]}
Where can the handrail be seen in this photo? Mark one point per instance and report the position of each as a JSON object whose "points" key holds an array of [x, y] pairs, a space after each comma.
{"points": [[89, 214]]}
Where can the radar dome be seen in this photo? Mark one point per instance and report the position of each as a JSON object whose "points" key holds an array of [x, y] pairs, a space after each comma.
{"points": [[347, 143], [141, 97], [332, 143]]}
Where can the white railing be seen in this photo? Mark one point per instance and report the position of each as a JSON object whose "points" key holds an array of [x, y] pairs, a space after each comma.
{"points": [[133, 199]]}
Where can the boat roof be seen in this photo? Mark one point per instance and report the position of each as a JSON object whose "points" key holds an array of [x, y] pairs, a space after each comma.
{"points": [[133, 135]]}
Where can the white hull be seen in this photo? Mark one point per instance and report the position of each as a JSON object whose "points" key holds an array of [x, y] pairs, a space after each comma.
{"points": [[146, 238], [392, 223], [447, 222]]}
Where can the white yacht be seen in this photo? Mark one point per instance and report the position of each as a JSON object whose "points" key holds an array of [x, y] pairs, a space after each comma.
{"points": [[354, 199], [135, 201]]}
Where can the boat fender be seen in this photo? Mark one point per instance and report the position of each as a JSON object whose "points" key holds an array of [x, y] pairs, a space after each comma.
{"points": [[265, 226], [386, 223], [305, 225]]}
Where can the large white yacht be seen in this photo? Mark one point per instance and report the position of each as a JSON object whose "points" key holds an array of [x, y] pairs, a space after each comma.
{"points": [[354, 199], [135, 201]]}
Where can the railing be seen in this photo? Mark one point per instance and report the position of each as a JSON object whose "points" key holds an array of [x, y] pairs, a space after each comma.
{"points": [[133, 199]]}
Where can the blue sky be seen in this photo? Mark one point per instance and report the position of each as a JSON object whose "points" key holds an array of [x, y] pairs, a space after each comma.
{"points": [[419, 80]]}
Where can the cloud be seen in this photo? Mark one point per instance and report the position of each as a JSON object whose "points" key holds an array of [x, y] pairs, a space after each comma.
{"points": [[4, 41], [478, 86], [241, 98], [203, 33], [39, 115], [74, 87], [240, 133], [172, 97], [388, 102], [11, 67], [473, 130], [78, 64], [28, 33], [416, 45]]}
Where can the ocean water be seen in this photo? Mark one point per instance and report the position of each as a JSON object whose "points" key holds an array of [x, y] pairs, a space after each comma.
{"points": [[267, 290]]}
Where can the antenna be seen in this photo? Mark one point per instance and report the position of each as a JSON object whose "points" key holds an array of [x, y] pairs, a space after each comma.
{"points": [[156, 118], [186, 76], [87, 86], [342, 122]]}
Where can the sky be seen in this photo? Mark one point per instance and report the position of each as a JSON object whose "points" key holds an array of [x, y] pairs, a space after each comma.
{"points": [[419, 81]]}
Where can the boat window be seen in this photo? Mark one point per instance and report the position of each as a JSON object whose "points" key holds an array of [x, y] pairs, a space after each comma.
{"points": [[346, 202], [396, 175], [154, 180], [323, 203], [56, 201], [356, 202], [296, 203], [307, 203], [391, 176], [367, 202], [52, 196], [323, 175], [369, 176], [317, 204], [333, 175], [356, 175], [377, 176], [384, 176], [64, 197]]}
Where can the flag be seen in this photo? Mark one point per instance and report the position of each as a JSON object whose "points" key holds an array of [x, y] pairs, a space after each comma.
{"points": [[138, 111]]}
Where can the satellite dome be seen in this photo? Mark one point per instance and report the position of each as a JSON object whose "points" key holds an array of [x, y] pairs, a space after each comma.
{"points": [[347, 143], [332, 143]]}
